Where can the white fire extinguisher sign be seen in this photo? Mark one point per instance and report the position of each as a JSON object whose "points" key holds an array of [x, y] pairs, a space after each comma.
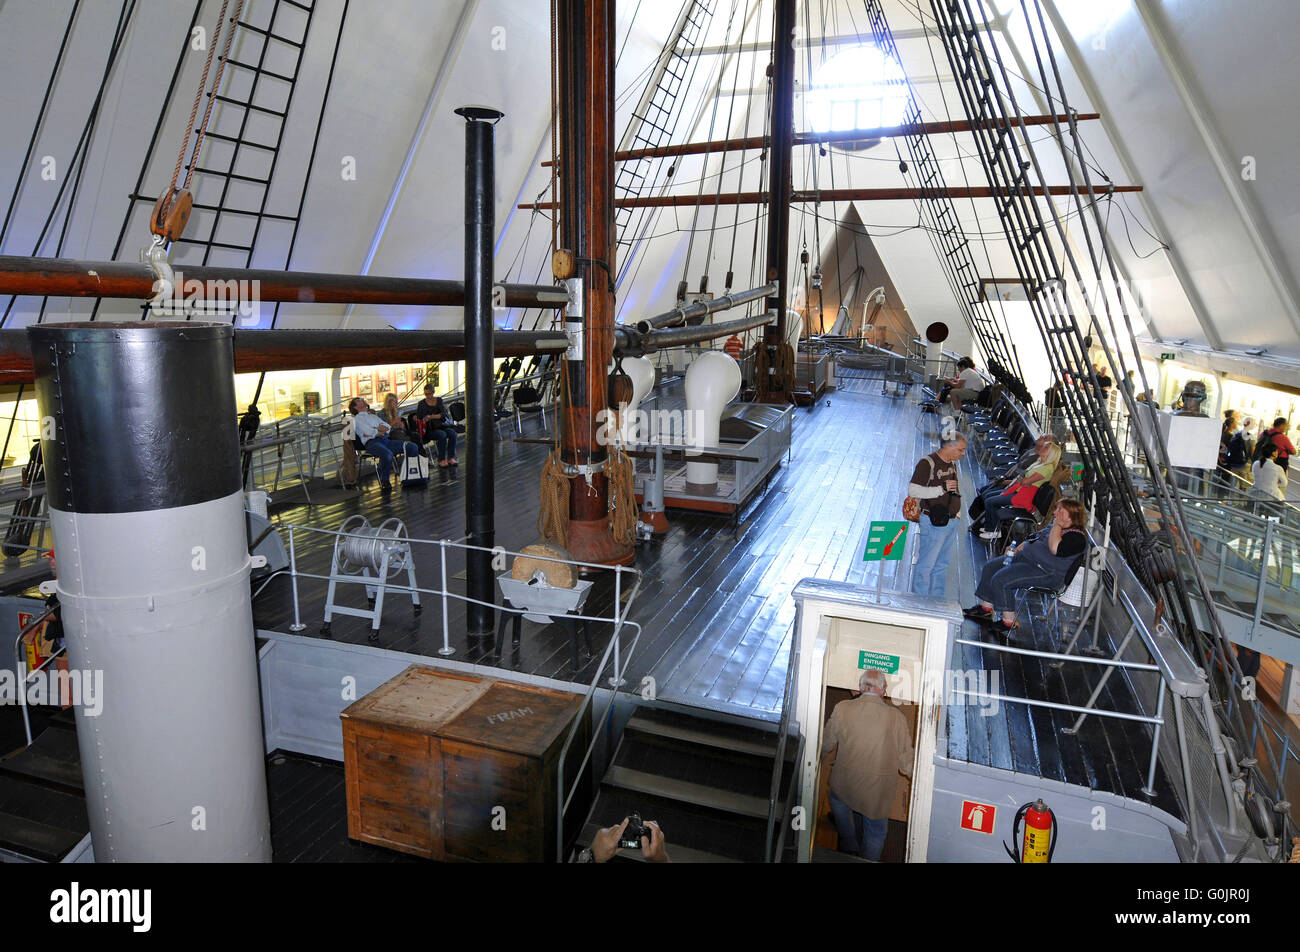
{"points": [[978, 817]]}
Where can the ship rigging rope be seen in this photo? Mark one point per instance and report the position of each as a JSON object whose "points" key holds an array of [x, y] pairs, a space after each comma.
{"points": [[704, 165], [40, 122], [623, 514], [740, 184], [81, 150], [553, 513], [198, 97]]}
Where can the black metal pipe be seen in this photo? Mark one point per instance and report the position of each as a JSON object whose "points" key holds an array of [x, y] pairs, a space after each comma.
{"points": [[631, 342], [781, 183], [480, 226], [680, 315]]}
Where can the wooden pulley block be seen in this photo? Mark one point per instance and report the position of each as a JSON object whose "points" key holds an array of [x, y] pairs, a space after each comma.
{"points": [[557, 574], [563, 264], [171, 213], [620, 389]]}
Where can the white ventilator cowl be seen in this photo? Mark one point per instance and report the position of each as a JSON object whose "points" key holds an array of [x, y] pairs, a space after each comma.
{"points": [[712, 382], [642, 372]]}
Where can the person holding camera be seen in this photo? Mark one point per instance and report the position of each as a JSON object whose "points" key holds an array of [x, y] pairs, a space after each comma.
{"points": [[934, 484], [607, 843]]}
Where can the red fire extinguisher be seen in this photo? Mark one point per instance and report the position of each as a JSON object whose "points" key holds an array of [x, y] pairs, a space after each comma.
{"points": [[1039, 840]]}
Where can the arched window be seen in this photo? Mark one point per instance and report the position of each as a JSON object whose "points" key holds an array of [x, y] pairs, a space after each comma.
{"points": [[857, 88]]}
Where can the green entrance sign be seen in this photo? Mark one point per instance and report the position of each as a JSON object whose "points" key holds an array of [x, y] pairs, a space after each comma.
{"points": [[886, 541], [887, 663]]}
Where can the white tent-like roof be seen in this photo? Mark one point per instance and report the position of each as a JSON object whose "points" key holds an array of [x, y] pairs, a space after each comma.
{"points": [[1193, 100]]}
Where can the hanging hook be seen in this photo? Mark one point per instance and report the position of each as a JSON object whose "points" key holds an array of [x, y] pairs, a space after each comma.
{"points": [[164, 278]]}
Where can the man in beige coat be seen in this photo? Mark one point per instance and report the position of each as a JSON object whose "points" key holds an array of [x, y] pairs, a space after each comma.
{"points": [[873, 745]]}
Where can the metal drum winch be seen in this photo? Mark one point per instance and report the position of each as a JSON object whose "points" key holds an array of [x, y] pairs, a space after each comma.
{"points": [[372, 555]]}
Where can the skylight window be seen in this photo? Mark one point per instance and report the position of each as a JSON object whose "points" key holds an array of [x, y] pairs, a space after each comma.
{"points": [[857, 88]]}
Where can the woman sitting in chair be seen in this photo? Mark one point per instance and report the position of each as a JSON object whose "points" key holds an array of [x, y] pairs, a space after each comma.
{"points": [[1020, 494], [1044, 560], [397, 430], [433, 416]]}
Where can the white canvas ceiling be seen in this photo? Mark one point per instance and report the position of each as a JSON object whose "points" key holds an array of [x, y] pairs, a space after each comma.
{"points": [[1194, 98]]}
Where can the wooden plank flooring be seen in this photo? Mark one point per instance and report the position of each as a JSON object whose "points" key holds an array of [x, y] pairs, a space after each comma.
{"points": [[715, 603]]}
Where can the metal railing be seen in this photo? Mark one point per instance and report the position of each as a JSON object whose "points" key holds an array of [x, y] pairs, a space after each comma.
{"points": [[39, 548], [20, 665], [773, 845], [615, 681], [1263, 550], [318, 434], [1249, 558]]}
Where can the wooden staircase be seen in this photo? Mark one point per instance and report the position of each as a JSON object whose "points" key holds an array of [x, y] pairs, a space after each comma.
{"points": [[706, 782]]}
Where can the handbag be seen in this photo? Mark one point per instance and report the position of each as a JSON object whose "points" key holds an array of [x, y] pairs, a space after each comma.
{"points": [[912, 509], [1023, 497]]}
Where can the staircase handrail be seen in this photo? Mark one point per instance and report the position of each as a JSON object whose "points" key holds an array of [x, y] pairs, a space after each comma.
{"points": [[588, 701]]}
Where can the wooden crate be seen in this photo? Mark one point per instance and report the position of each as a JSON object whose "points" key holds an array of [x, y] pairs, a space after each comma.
{"points": [[453, 767]]}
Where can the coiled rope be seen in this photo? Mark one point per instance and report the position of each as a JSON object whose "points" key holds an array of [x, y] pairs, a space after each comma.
{"points": [[623, 512], [553, 514]]}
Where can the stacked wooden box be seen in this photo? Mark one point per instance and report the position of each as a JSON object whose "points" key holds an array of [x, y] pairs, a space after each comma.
{"points": [[453, 767]]}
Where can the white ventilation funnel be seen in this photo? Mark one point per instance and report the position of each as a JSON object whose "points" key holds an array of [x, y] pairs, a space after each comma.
{"points": [[712, 382]]}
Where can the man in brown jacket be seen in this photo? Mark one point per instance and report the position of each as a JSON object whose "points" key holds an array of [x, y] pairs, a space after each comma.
{"points": [[872, 745]]}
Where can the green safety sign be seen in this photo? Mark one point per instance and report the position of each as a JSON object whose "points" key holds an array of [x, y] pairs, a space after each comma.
{"points": [[886, 541], [1168, 356], [887, 663]]}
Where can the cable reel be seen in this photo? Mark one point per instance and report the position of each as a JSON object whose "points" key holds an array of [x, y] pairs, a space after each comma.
{"points": [[362, 548], [373, 556]]}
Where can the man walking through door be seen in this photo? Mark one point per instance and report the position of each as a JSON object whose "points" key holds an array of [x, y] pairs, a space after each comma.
{"points": [[872, 745]]}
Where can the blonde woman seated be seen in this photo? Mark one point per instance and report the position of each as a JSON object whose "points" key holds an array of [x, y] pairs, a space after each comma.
{"points": [[1041, 561], [392, 415], [1019, 496]]}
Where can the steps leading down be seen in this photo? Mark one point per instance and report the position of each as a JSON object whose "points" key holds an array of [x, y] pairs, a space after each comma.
{"points": [[706, 782], [42, 802]]}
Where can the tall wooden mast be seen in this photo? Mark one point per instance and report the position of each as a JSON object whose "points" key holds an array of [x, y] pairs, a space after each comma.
{"points": [[584, 46]]}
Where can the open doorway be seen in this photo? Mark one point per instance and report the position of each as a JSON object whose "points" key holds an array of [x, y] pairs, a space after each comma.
{"points": [[827, 837]]}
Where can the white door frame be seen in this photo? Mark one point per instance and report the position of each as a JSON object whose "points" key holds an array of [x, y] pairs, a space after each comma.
{"points": [[814, 619]]}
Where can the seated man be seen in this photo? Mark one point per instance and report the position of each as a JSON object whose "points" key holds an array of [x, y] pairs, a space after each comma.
{"points": [[1044, 560], [966, 386], [372, 432], [432, 415]]}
